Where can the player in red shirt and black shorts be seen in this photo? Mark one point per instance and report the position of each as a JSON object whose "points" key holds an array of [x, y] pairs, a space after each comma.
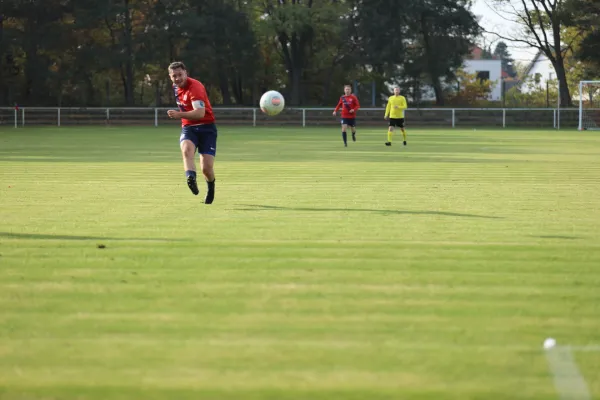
{"points": [[349, 105], [198, 128]]}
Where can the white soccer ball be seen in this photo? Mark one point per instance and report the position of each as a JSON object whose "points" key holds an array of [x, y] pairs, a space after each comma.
{"points": [[272, 102], [549, 343]]}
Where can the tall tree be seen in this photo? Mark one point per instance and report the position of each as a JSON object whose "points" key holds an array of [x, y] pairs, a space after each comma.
{"points": [[486, 54], [501, 51], [164, 33], [585, 18], [423, 42], [445, 30], [8, 67], [36, 34], [294, 25], [541, 22], [383, 35], [115, 32], [334, 58], [222, 46], [124, 20]]}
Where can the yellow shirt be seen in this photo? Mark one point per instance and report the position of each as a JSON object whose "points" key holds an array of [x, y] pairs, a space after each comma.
{"points": [[396, 106]]}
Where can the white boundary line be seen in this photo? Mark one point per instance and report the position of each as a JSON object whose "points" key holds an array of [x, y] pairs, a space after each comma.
{"points": [[588, 349], [568, 381]]}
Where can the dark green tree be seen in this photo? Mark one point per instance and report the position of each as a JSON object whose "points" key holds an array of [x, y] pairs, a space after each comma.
{"points": [[294, 26], [444, 31], [585, 18], [35, 37], [501, 51], [382, 36], [222, 47]]}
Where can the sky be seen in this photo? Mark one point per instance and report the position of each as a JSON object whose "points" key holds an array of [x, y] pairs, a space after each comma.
{"points": [[491, 21]]}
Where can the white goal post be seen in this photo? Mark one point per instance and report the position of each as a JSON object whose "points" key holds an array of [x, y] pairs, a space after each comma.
{"points": [[589, 105]]}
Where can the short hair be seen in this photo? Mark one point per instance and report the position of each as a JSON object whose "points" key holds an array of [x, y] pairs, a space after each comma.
{"points": [[177, 65], [345, 86]]}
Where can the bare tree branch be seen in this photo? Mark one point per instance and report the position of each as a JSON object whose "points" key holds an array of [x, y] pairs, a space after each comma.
{"points": [[541, 22], [546, 42], [548, 11], [498, 13], [513, 39], [531, 26]]}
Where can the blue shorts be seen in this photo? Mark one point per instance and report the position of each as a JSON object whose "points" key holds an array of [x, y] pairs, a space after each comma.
{"points": [[349, 121], [204, 137]]}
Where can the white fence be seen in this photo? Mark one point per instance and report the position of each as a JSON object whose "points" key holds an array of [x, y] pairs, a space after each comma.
{"points": [[306, 117]]}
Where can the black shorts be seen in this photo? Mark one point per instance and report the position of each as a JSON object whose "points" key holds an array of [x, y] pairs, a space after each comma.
{"points": [[399, 122], [349, 121], [204, 137]]}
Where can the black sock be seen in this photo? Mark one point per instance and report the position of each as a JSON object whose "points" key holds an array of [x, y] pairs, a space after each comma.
{"points": [[210, 194], [189, 173], [345, 137]]}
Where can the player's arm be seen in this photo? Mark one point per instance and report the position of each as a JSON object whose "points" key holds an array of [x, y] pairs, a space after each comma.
{"points": [[355, 109], [337, 107], [199, 99], [387, 109], [196, 114], [403, 104]]}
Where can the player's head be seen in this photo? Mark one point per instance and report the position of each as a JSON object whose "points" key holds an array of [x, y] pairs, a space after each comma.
{"points": [[396, 90], [347, 90], [178, 73]]}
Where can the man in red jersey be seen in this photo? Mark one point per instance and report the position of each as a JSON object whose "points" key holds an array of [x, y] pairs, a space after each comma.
{"points": [[349, 105], [198, 128]]}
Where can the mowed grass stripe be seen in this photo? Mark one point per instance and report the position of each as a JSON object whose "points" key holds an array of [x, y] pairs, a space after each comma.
{"points": [[426, 272]]}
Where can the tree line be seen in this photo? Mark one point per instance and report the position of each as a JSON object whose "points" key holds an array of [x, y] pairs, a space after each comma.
{"points": [[567, 32], [115, 52]]}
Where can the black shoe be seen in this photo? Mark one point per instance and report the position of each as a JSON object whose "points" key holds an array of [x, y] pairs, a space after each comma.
{"points": [[354, 137], [388, 143], [405, 142], [345, 144], [191, 181], [210, 194]]}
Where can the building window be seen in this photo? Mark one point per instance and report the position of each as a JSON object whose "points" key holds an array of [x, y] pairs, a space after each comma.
{"points": [[483, 76]]}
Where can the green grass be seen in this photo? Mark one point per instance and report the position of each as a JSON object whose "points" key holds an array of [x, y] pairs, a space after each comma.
{"points": [[588, 363], [433, 271]]}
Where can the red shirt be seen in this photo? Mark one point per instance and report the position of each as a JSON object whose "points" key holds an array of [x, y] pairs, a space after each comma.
{"points": [[184, 97], [348, 103]]}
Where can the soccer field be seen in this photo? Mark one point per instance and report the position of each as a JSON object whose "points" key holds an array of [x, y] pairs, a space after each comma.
{"points": [[432, 271]]}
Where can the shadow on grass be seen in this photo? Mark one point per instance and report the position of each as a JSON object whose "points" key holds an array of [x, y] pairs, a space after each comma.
{"points": [[259, 207], [42, 236]]}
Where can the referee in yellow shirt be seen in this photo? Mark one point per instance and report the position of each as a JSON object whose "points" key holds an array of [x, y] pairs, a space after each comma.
{"points": [[395, 111]]}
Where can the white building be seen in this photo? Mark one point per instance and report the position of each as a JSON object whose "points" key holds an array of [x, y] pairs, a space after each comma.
{"points": [[490, 70], [484, 69], [539, 71], [473, 64]]}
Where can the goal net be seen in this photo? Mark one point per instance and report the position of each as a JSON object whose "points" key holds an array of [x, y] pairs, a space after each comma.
{"points": [[589, 105]]}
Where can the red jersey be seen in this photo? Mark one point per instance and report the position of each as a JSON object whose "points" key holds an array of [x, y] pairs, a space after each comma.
{"points": [[194, 91], [348, 103]]}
